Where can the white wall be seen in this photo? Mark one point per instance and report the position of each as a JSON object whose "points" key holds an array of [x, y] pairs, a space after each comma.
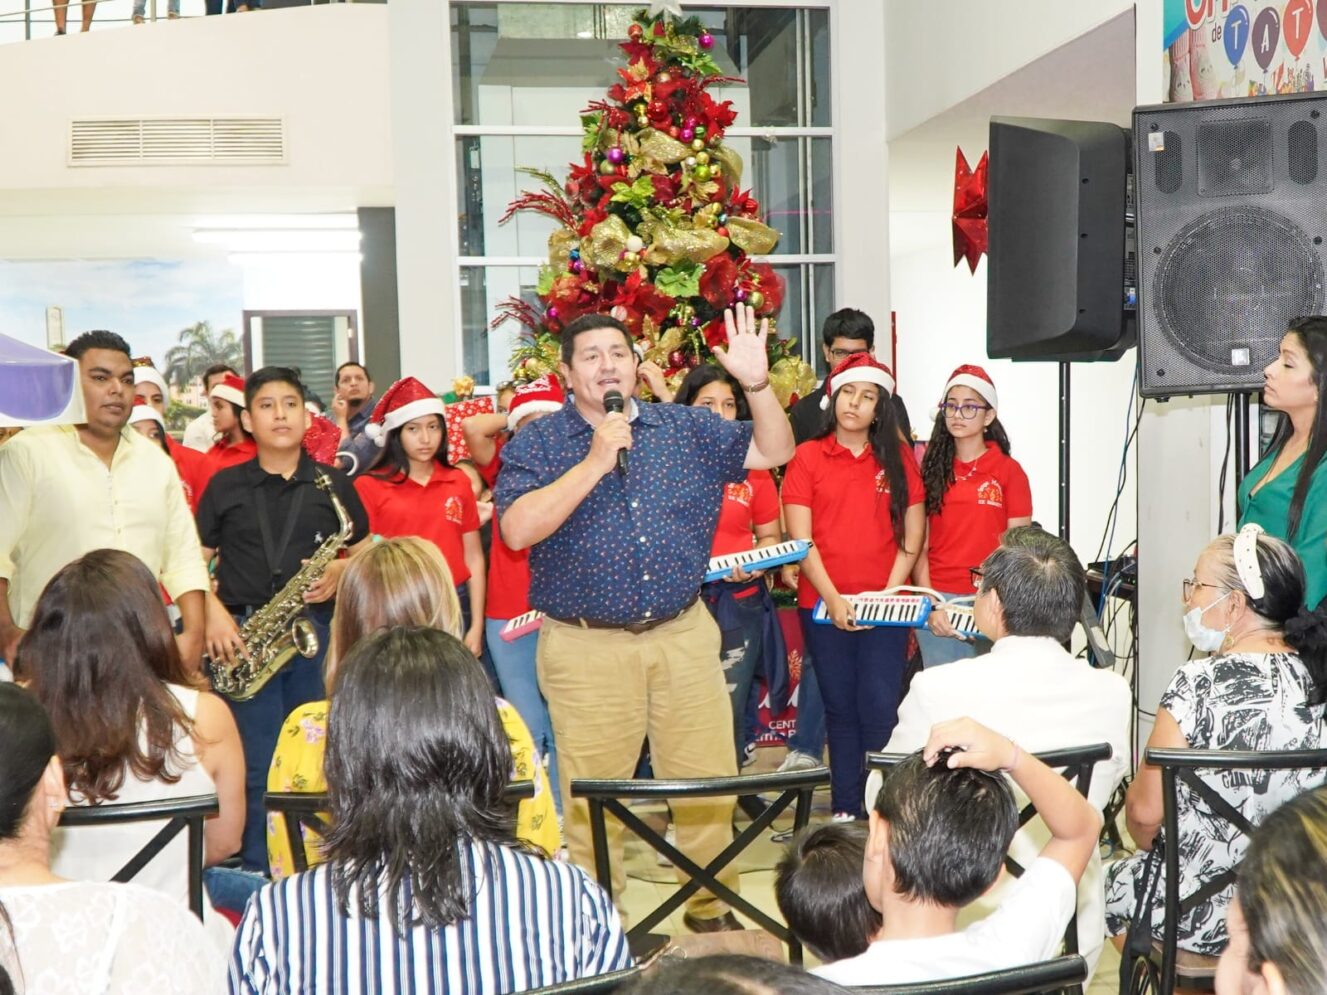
{"points": [[981, 41]]}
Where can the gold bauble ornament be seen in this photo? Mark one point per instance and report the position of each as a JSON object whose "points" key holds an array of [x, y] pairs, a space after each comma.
{"points": [[756, 299], [702, 157], [697, 144]]}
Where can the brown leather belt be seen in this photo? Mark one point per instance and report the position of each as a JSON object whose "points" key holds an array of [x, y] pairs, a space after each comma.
{"points": [[635, 628]]}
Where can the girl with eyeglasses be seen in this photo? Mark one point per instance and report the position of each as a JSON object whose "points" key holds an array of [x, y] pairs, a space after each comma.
{"points": [[975, 492]]}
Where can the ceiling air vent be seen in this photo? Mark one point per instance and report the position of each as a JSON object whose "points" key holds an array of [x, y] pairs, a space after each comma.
{"points": [[198, 141]]}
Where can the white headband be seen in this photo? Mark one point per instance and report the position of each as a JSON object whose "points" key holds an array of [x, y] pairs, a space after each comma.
{"points": [[1246, 560]]}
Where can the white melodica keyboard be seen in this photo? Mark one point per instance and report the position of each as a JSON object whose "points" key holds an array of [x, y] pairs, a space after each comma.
{"points": [[521, 625], [793, 551], [903, 606]]}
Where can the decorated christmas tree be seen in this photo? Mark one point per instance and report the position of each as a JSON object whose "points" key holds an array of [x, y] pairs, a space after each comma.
{"points": [[653, 224]]}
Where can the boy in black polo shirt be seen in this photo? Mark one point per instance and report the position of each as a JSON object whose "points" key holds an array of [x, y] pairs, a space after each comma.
{"points": [[265, 518]]}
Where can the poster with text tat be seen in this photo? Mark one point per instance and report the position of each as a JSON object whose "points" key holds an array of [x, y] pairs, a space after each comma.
{"points": [[1222, 49]]}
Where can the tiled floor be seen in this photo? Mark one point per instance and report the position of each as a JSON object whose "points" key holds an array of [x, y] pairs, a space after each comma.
{"points": [[648, 884]]}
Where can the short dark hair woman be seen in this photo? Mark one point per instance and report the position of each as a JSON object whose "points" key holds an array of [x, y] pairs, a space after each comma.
{"points": [[1286, 492], [422, 856], [61, 936]]}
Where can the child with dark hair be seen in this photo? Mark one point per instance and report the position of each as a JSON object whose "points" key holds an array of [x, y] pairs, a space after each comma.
{"points": [[940, 828], [818, 885]]}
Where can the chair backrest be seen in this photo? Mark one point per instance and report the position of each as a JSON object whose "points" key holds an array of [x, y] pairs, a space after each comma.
{"points": [[590, 986], [300, 810], [1075, 762], [1030, 979], [182, 814], [1183, 765], [606, 796]]}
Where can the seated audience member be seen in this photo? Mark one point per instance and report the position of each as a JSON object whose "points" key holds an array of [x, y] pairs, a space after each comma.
{"points": [[1030, 688], [422, 853], [1262, 689], [130, 724], [940, 828], [61, 937], [818, 886], [403, 581], [726, 974], [1278, 921]]}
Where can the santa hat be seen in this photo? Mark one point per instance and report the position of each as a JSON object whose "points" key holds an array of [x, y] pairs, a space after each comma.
{"points": [[536, 397], [230, 389], [857, 368], [147, 373], [403, 401], [142, 411], [974, 378]]}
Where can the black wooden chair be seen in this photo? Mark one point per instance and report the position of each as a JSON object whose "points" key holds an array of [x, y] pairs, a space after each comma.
{"points": [[1031, 979], [612, 796], [300, 810], [1159, 967], [1076, 763], [590, 986], [182, 815]]}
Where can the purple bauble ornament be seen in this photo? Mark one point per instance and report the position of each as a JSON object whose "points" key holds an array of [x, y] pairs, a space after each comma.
{"points": [[687, 134], [740, 295], [552, 312], [615, 155], [706, 40], [577, 266]]}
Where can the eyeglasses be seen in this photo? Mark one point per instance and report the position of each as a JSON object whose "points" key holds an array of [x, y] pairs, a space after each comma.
{"points": [[1189, 584], [976, 575], [839, 355], [967, 410]]}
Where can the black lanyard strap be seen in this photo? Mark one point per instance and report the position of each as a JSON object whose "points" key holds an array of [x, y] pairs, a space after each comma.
{"points": [[273, 553]]}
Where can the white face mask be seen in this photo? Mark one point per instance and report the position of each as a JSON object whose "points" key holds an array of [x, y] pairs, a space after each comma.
{"points": [[1204, 638]]}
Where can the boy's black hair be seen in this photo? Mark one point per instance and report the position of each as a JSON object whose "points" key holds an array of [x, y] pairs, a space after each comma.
{"points": [[949, 830], [271, 374], [848, 323], [818, 885], [97, 339]]}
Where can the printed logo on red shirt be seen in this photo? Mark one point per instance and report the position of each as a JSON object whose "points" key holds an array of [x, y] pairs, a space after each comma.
{"points": [[881, 482], [990, 493], [741, 493], [451, 510]]}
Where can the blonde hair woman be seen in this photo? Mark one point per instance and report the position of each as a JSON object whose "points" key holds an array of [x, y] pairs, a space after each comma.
{"points": [[1278, 921], [401, 581]]}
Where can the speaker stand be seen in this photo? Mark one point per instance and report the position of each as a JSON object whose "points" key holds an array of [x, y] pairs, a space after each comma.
{"points": [[1064, 450], [1241, 438]]}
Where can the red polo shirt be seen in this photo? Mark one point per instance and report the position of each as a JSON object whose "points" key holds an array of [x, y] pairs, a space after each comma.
{"points": [[754, 501], [985, 494], [441, 511], [191, 465], [508, 569], [221, 456], [849, 500]]}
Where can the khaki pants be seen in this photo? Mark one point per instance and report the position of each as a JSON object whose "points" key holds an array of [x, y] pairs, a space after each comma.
{"points": [[608, 690]]}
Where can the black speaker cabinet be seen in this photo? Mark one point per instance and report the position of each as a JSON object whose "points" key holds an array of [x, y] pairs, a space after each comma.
{"points": [[1059, 277], [1232, 211]]}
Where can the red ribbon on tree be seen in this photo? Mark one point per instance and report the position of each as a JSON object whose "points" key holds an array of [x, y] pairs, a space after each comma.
{"points": [[970, 235]]}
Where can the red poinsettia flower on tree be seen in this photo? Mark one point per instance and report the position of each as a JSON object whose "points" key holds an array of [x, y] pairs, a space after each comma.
{"points": [[718, 280]]}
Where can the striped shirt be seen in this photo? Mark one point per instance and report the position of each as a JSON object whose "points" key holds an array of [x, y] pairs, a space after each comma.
{"points": [[533, 922]]}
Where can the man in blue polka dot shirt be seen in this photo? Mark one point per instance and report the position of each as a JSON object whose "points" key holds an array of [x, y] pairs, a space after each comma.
{"points": [[627, 652]]}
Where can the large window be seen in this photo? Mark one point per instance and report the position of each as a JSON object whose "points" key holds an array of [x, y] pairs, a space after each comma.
{"points": [[521, 73]]}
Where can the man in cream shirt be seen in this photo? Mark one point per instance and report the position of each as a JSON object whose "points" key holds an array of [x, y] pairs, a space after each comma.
{"points": [[66, 490], [1031, 689]]}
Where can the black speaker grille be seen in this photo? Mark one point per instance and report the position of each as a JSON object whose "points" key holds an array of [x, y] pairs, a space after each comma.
{"points": [[1169, 164], [1302, 152], [1228, 284], [1234, 157]]}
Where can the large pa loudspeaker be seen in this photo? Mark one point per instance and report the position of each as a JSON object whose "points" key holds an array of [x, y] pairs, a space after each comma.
{"points": [[1232, 210], [1060, 271]]}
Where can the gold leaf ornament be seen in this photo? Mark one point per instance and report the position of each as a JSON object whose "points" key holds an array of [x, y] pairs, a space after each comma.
{"points": [[790, 376], [560, 244], [607, 242], [752, 237], [731, 162], [694, 244], [672, 339], [662, 147]]}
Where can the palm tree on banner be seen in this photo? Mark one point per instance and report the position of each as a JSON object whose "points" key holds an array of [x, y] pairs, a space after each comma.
{"points": [[201, 346]]}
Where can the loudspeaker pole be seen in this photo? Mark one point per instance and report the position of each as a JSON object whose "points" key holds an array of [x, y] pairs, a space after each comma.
{"points": [[1064, 450], [1241, 438]]}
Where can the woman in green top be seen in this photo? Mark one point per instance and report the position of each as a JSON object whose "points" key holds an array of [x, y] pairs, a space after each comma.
{"points": [[1286, 493]]}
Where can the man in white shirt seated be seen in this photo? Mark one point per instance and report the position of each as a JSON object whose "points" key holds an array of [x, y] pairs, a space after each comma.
{"points": [[1031, 689], [940, 827]]}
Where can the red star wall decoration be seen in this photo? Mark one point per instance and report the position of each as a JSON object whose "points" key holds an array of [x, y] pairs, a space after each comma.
{"points": [[970, 236]]}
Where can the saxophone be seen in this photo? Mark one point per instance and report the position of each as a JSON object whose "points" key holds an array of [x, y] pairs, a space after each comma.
{"points": [[276, 632]]}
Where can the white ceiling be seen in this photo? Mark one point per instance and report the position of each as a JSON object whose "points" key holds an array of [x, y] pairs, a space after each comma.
{"points": [[1092, 78]]}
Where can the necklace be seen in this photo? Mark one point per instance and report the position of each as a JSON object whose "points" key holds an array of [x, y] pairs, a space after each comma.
{"points": [[972, 468]]}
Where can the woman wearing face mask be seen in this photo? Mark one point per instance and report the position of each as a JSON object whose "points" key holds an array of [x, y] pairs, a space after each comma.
{"points": [[1262, 688], [1286, 493], [1278, 921]]}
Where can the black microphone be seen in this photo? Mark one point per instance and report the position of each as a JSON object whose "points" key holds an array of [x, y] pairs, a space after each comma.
{"points": [[614, 403]]}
